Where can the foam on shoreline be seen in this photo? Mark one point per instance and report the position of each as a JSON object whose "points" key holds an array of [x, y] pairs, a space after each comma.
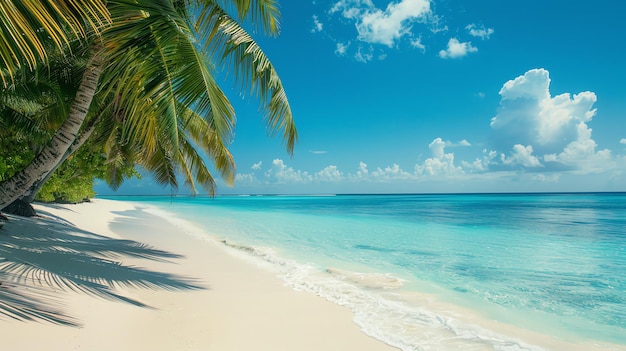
{"points": [[385, 313], [390, 320]]}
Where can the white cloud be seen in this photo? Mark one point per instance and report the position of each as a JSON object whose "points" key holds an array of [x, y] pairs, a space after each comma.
{"points": [[329, 174], [417, 43], [457, 49], [462, 143], [554, 128], [481, 164], [529, 115], [362, 56], [441, 164], [318, 152], [437, 147], [317, 25], [341, 49], [622, 141], [521, 155], [281, 173], [582, 153], [385, 27], [351, 8], [257, 166], [362, 172], [245, 178], [534, 85], [390, 173], [479, 31]]}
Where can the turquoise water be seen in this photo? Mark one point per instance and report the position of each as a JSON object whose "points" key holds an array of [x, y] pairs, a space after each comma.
{"points": [[549, 263]]}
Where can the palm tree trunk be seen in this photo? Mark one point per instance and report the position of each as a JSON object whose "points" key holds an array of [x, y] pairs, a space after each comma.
{"points": [[29, 195], [16, 186]]}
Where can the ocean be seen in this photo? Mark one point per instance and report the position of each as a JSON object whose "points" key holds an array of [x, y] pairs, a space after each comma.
{"points": [[440, 272]]}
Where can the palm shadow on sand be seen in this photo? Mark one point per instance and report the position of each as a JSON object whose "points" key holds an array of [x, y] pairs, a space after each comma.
{"points": [[59, 256]]}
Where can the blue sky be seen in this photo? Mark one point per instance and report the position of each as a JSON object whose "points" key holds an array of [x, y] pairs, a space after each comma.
{"points": [[418, 96]]}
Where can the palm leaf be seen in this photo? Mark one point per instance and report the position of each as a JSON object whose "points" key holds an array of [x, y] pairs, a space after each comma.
{"points": [[226, 39], [22, 41]]}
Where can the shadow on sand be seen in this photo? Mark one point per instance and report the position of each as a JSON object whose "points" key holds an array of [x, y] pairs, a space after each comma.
{"points": [[40, 256]]}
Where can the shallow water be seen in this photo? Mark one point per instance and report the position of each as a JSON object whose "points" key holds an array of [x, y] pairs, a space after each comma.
{"points": [[419, 271]]}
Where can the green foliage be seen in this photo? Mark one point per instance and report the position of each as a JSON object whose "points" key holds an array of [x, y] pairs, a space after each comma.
{"points": [[73, 181], [158, 103], [15, 152]]}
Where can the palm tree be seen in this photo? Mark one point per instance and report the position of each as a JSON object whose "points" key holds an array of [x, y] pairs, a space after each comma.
{"points": [[27, 27], [150, 71]]}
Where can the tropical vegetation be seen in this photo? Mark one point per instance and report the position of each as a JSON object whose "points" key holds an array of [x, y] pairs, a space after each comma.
{"points": [[129, 82]]}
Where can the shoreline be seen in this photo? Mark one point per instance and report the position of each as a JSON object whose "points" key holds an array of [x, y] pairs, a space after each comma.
{"points": [[149, 288], [185, 288], [450, 321]]}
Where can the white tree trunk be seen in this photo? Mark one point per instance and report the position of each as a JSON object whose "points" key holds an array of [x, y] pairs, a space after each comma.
{"points": [[30, 194], [16, 186]]}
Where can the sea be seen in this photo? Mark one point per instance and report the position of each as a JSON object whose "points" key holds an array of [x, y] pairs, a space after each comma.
{"points": [[504, 272]]}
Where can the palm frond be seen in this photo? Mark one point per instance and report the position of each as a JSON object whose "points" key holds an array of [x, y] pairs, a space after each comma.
{"points": [[226, 39], [27, 25], [205, 137], [262, 13]]}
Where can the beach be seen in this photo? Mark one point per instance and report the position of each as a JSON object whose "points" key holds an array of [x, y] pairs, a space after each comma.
{"points": [[105, 276]]}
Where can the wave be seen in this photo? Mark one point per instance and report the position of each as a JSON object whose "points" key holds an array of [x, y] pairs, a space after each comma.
{"points": [[367, 295], [367, 280], [394, 322]]}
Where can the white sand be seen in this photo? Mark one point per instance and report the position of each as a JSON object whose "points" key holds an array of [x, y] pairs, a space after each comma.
{"points": [[208, 299]]}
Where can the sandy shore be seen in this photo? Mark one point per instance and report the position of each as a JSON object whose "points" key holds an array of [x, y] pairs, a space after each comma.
{"points": [[107, 276]]}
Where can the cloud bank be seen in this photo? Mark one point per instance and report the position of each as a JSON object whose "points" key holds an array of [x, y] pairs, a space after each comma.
{"points": [[535, 136]]}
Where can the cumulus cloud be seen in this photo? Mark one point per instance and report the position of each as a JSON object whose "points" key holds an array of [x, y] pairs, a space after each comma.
{"points": [[281, 173], [457, 49], [257, 166], [317, 25], [521, 155], [440, 164], [362, 172], [393, 172], [554, 127], [533, 85], [622, 141], [437, 147], [479, 31], [329, 174], [481, 164], [582, 152], [385, 27]]}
